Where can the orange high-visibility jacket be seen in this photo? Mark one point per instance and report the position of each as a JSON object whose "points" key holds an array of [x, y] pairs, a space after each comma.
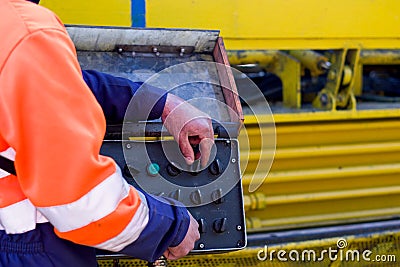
{"points": [[52, 126]]}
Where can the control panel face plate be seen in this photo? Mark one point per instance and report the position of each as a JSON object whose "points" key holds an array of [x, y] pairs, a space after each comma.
{"points": [[212, 194]]}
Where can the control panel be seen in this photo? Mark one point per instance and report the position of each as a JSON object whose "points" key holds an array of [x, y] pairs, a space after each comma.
{"points": [[212, 194]]}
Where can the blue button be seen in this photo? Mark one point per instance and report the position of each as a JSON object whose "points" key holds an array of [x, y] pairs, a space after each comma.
{"points": [[153, 169]]}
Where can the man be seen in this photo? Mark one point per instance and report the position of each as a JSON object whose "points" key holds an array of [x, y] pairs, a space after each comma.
{"points": [[67, 199]]}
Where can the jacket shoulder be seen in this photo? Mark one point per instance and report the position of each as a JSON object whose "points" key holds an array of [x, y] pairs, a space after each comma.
{"points": [[34, 17]]}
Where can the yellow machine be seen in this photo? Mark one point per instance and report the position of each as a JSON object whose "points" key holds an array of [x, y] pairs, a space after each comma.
{"points": [[331, 73]]}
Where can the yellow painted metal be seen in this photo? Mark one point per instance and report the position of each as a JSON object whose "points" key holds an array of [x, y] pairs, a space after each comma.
{"points": [[329, 167], [285, 66], [292, 24], [264, 58], [317, 63], [344, 251], [256, 24], [338, 91], [91, 12], [380, 57]]}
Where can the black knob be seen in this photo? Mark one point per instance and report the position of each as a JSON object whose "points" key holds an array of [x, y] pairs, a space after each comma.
{"points": [[215, 167], [129, 171], [196, 197], [202, 226], [175, 194], [217, 196], [172, 170], [219, 225]]}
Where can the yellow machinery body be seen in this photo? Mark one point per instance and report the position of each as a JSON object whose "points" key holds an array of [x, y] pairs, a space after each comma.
{"points": [[337, 162]]}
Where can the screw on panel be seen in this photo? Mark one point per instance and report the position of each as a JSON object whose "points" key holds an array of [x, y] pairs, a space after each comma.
{"points": [[239, 228], [233, 160], [155, 50], [128, 146], [201, 245], [120, 50]]}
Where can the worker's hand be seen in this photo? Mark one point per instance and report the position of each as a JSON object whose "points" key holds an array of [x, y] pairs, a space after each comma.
{"points": [[187, 244], [190, 127]]}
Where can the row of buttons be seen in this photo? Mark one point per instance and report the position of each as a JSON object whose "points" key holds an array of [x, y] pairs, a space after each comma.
{"points": [[219, 225], [196, 196], [153, 169]]}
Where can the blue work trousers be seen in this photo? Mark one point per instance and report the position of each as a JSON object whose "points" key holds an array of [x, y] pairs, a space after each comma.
{"points": [[42, 248]]}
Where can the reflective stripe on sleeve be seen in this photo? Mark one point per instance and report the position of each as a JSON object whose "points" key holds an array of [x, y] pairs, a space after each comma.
{"points": [[96, 204], [131, 232], [115, 230]]}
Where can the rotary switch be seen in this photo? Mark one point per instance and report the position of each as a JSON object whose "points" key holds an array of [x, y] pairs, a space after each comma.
{"points": [[219, 225], [215, 167], [172, 170], [202, 226]]}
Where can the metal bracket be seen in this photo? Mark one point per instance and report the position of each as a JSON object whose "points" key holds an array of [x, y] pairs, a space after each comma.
{"points": [[338, 92], [288, 69]]}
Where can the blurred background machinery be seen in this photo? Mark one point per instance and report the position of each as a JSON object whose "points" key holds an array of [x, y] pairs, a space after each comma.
{"points": [[331, 74]]}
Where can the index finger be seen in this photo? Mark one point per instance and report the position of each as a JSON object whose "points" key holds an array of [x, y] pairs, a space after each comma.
{"points": [[206, 144]]}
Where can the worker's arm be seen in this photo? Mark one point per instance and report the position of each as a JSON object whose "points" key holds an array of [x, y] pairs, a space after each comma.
{"points": [[56, 127], [115, 93], [186, 123]]}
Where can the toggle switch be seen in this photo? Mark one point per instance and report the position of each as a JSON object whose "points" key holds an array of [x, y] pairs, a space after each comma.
{"points": [[219, 225]]}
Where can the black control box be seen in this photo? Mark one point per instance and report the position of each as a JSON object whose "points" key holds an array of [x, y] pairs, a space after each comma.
{"points": [[213, 195]]}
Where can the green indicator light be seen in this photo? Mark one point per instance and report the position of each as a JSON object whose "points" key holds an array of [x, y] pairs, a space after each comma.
{"points": [[153, 169]]}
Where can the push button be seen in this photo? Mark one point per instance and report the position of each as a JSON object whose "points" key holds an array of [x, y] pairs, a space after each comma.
{"points": [[153, 169]]}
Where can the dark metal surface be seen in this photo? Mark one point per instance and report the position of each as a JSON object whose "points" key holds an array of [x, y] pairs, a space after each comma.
{"points": [[156, 129], [217, 206]]}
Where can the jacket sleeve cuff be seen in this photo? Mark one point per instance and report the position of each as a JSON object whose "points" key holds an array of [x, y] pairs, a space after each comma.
{"points": [[167, 226]]}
